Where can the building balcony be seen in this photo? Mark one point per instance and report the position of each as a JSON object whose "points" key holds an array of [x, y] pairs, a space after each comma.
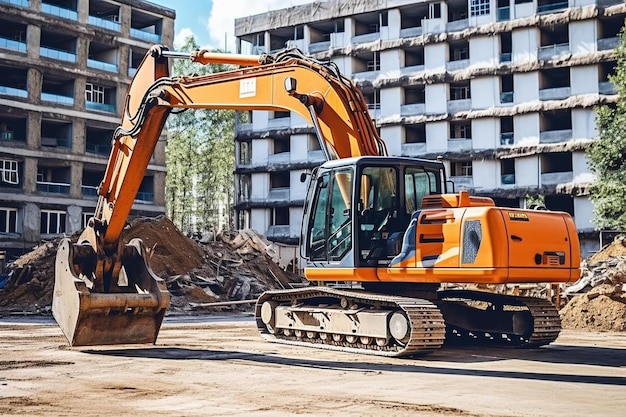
{"points": [[22, 3], [98, 149], [12, 45], [410, 32], [412, 109], [549, 51], [366, 37], [413, 149], [503, 13], [412, 68], [462, 182], [277, 232], [104, 23], [59, 11], [144, 197], [507, 179], [507, 138], [57, 54], [552, 7], [553, 178], [558, 93], [279, 123], [6, 135], [279, 194], [92, 105], [89, 191], [459, 144], [606, 88], [101, 65], [316, 156], [146, 36], [459, 105], [457, 25], [57, 98], [56, 142], [505, 57], [132, 72], [555, 136], [14, 92], [53, 187], [608, 43], [319, 46], [279, 158], [457, 65], [507, 97]]}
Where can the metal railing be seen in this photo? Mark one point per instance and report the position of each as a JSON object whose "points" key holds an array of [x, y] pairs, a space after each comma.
{"points": [[92, 105], [503, 13], [23, 3], [101, 65], [53, 187], [104, 23], [13, 45], [551, 7], [98, 149], [144, 197], [146, 36], [507, 138], [89, 191], [59, 11], [57, 98], [57, 54], [506, 97], [507, 179], [11, 91]]}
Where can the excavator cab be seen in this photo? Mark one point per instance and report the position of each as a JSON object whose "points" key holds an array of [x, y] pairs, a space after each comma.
{"points": [[359, 208]]}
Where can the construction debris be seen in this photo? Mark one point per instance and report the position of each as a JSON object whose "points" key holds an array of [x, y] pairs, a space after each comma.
{"points": [[234, 266], [598, 300]]}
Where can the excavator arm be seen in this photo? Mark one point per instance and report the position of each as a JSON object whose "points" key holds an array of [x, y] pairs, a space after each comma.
{"points": [[130, 298]]}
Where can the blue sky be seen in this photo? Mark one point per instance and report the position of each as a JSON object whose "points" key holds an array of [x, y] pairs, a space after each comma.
{"points": [[212, 21]]}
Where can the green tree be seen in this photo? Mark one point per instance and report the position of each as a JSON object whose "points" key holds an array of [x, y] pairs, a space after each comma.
{"points": [[607, 156], [200, 159]]}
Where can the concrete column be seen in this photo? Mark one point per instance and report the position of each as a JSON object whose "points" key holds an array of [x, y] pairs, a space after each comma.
{"points": [[32, 223], [33, 131], [79, 92], [33, 39], [34, 81], [123, 60], [78, 136], [125, 20], [83, 11], [167, 32], [35, 4], [76, 179], [159, 189], [82, 52], [30, 175]]}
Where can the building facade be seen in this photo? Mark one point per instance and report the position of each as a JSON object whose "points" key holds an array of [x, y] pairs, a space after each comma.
{"points": [[503, 90], [65, 67]]}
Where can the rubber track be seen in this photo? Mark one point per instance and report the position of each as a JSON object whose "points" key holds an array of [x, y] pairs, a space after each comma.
{"points": [[546, 318], [427, 325]]}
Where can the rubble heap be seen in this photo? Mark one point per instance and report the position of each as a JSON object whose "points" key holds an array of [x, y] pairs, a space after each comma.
{"points": [[598, 300], [239, 266]]}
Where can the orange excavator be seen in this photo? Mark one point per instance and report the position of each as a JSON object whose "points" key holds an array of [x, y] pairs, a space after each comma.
{"points": [[387, 226]]}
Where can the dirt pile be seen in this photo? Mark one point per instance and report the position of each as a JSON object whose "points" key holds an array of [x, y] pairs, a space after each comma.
{"points": [[237, 267], [598, 300]]}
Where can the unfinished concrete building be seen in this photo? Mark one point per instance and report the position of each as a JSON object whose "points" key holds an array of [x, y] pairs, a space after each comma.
{"points": [[503, 90], [65, 66]]}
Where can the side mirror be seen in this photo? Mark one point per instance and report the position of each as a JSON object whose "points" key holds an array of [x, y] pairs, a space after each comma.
{"points": [[303, 177]]}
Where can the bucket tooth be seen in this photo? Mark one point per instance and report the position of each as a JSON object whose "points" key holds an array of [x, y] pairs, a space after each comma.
{"points": [[89, 318]]}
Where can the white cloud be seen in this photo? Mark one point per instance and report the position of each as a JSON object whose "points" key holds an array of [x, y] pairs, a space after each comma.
{"points": [[180, 37], [221, 22]]}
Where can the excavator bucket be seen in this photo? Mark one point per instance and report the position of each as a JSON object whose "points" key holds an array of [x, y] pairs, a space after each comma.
{"points": [[89, 318]]}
